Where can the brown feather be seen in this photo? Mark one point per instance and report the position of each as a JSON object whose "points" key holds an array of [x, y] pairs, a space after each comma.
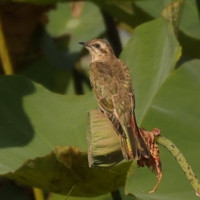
{"points": [[111, 82]]}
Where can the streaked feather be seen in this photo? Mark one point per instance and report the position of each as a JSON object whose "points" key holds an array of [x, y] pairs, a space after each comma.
{"points": [[112, 86]]}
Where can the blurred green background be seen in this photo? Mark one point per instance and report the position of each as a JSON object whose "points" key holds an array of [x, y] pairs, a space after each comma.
{"points": [[45, 94]]}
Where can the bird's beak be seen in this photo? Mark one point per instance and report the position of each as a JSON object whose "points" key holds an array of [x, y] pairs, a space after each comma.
{"points": [[82, 43]]}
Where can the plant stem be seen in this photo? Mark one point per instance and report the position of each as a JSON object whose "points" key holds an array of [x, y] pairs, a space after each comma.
{"points": [[5, 57], [116, 195], [198, 6], [38, 194], [181, 161], [112, 32]]}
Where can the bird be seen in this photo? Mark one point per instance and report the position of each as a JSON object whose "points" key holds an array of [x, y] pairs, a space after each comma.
{"points": [[112, 86]]}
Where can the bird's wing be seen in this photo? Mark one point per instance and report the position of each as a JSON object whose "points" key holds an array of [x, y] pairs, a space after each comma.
{"points": [[113, 92], [113, 89]]}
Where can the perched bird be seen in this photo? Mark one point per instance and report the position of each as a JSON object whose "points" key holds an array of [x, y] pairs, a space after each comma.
{"points": [[111, 83]]}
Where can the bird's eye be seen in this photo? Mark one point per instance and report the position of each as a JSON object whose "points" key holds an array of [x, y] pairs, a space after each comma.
{"points": [[97, 45]]}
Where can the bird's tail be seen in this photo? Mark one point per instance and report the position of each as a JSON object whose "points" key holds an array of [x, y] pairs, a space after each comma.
{"points": [[132, 143]]}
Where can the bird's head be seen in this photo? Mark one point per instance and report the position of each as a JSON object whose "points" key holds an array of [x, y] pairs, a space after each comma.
{"points": [[99, 49]]}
